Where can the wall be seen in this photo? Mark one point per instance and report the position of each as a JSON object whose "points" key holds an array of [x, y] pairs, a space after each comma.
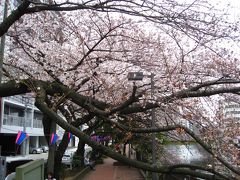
{"points": [[32, 170]]}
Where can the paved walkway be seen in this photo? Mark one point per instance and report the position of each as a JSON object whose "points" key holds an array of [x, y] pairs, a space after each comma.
{"points": [[107, 171]]}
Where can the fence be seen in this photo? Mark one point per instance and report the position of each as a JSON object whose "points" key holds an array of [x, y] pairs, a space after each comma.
{"points": [[32, 170]]}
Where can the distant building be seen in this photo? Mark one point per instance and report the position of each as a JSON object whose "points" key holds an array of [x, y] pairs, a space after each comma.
{"points": [[231, 110], [18, 113]]}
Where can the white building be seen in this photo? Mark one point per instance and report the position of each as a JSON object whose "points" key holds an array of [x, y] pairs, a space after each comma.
{"points": [[231, 110], [18, 113]]}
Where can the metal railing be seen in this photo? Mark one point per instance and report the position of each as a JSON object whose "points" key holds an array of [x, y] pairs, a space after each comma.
{"points": [[16, 121], [37, 123], [21, 99]]}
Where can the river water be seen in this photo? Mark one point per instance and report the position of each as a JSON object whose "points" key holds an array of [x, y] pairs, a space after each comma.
{"points": [[187, 154], [183, 154]]}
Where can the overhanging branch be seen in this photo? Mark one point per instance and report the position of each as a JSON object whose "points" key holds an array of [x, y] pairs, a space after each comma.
{"points": [[106, 151], [13, 17], [175, 127]]}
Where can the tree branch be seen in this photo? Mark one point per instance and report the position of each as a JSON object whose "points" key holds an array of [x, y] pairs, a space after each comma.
{"points": [[13, 17], [108, 152], [174, 127]]}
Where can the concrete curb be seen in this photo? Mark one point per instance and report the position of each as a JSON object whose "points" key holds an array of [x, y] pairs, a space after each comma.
{"points": [[144, 174], [81, 174]]}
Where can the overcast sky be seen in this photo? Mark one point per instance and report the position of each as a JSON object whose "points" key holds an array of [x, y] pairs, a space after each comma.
{"points": [[234, 9]]}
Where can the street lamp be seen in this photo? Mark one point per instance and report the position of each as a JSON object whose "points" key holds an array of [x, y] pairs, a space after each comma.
{"points": [[135, 76], [138, 76]]}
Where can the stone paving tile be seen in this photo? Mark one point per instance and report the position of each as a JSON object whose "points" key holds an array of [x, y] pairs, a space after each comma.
{"points": [[107, 171]]}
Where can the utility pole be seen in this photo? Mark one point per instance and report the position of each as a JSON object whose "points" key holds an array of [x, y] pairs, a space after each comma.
{"points": [[138, 76], [153, 111], [2, 47], [24, 145], [3, 39]]}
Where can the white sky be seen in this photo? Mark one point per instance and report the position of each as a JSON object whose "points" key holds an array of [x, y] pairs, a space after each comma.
{"points": [[235, 7], [231, 6]]}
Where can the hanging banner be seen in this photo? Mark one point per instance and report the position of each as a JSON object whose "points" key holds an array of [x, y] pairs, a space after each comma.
{"points": [[100, 138], [54, 138], [70, 136], [21, 136], [94, 138]]}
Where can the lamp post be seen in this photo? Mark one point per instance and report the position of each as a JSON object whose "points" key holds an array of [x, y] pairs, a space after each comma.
{"points": [[138, 76]]}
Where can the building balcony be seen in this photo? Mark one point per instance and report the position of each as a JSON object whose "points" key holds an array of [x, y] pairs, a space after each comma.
{"points": [[20, 99], [37, 123], [16, 121]]}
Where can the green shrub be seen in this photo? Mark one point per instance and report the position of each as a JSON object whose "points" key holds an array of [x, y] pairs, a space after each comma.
{"points": [[76, 162], [99, 161]]}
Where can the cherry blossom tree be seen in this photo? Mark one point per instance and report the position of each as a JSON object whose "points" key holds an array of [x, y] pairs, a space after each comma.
{"points": [[74, 58]]}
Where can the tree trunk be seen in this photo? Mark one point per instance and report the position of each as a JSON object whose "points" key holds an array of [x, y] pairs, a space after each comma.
{"points": [[52, 148], [59, 154], [80, 152], [46, 128], [49, 127]]}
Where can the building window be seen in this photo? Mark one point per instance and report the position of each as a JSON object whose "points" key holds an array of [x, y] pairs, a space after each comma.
{"points": [[38, 116], [12, 111]]}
